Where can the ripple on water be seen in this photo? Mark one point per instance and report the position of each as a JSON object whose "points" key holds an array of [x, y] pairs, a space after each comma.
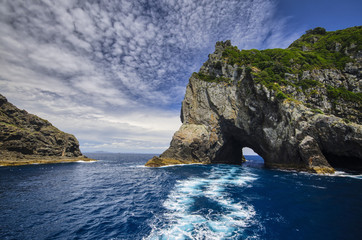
{"points": [[200, 208]]}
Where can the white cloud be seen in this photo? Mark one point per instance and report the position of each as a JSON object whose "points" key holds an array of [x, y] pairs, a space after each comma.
{"points": [[55, 58]]}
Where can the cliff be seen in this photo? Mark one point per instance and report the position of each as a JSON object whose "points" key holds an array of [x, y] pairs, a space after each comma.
{"points": [[298, 108], [26, 138]]}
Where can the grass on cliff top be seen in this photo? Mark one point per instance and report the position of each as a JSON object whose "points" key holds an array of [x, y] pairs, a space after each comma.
{"points": [[322, 51], [317, 49], [320, 40]]}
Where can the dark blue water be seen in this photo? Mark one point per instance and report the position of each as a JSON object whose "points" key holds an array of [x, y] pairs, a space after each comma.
{"points": [[118, 198]]}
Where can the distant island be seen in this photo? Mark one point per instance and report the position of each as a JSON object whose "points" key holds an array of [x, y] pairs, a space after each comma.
{"points": [[28, 139], [298, 108]]}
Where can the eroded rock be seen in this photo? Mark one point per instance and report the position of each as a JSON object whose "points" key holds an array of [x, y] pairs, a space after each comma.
{"points": [[300, 123]]}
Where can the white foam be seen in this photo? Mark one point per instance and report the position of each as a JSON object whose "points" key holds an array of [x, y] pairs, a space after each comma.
{"points": [[138, 166], [335, 174], [184, 223], [180, 165], [82, 161], [344, 174]]}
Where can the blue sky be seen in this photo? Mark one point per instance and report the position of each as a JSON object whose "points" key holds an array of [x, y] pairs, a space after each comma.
{"points": [[114, 72]]}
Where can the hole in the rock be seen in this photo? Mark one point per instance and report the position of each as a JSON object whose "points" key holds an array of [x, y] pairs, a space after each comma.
{"points": [[344, 163], [238, 144], [230, 152], [252, 158]]}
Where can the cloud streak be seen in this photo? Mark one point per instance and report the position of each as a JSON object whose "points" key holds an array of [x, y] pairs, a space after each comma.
{"points": [[114, 72]]}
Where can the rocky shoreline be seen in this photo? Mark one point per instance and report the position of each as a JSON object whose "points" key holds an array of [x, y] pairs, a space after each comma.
{"points": [[161, 162], [43, 160]]}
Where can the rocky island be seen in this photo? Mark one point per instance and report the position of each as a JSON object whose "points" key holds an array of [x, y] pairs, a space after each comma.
{"points": [[28, 139], [298, 108]]}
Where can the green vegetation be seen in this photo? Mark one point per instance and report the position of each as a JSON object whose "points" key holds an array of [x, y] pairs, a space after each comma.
{"points": [[337, 93], [317, 49], [317, 30], [316, 110], [271, 65], [210, 78], [323, 42], [281, 95], [307, 83], [322, 53]]}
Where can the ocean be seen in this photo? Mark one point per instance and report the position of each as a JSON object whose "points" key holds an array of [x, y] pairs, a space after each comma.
{"points": [[118, 198]]}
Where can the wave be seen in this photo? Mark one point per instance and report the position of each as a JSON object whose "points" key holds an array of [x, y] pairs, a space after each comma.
{"points": [[336, 174], [180, 165], [202, 208], [82, 161], [345, 174]]}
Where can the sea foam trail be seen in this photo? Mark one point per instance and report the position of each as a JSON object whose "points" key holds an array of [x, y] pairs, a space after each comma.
{"points": [[201, 208]]}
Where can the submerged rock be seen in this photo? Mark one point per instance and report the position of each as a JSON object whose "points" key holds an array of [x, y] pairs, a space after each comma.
{"points": [[298, 110], [26, 138]]}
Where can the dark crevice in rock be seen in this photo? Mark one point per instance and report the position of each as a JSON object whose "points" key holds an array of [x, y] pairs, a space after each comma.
{"points": [[230, 153], [344, 162], [25, 151]]}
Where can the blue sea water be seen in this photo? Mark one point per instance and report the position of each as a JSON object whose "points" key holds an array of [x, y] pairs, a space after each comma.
{"points": [[118, 198]]}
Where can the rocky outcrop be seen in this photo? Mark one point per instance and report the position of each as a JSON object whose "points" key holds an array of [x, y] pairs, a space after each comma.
{"points": [[26, 138], [290, 110]]}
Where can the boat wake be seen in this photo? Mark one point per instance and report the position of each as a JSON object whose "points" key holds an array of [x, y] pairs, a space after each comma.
{"points": [[202, 208]]}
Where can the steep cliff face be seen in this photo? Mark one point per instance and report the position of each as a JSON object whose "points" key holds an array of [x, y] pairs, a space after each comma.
{"points": [[24, 136], [298, 108]]}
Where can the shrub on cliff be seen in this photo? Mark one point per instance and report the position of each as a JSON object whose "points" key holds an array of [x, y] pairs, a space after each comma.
{"points": [[317, 30]]}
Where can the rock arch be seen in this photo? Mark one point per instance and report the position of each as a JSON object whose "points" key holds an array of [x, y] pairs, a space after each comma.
{"points": [[220, 118]]}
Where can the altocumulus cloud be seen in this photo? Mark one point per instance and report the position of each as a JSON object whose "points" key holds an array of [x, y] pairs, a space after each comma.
{"points": [[114, 72]]}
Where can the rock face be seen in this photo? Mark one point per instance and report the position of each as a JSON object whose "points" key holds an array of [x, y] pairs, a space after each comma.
{"points": [[24, 136], [295, 113]]}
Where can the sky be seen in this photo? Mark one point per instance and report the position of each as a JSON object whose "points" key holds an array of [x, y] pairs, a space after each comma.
{"points": [[114, 72]]}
